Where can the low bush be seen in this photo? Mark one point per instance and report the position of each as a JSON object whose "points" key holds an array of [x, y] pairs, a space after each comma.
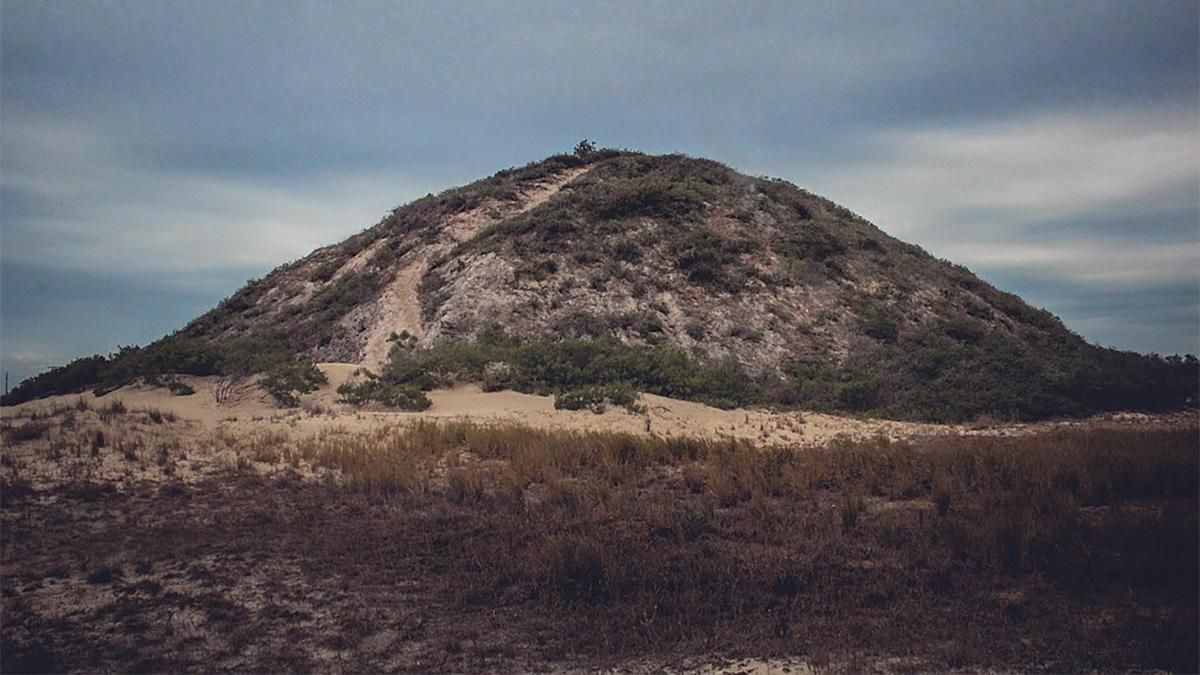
{"points": [[325, 271], [375, 391], [386, 391], [597, 398], [497, 376], [26, 432], [283, 381], [104, 574]]}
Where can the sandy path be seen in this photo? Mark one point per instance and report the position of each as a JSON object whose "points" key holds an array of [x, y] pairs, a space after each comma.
{"points": [[546, 190], [399, 307], [464, 226], [400, 310]]}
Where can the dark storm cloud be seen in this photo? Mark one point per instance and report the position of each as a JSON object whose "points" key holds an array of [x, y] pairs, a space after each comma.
{"points": [[270, 87], [179, 140]]}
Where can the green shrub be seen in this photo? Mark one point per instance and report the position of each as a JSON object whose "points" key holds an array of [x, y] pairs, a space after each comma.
{"points": [[627, 250], [598, 398], [375, 390], [325, 271], [497, 376], [883, 326], [809, 241], [27, 432], [69, 379], [402, 397], [284, 380], [709, 260], [401, 384], [403, 368]]}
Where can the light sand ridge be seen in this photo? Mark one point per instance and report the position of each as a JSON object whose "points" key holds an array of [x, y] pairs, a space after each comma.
{"points": [[243, 407]]}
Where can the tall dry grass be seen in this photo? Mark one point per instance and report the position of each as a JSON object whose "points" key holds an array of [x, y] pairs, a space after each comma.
{"points": [[1054, 502]]}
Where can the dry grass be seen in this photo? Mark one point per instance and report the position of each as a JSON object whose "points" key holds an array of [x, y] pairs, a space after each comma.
{"points": [[1076, 549], [1014, 505]]}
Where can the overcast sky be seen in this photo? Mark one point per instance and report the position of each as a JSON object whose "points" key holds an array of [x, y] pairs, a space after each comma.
{"points": [[155, 155]]}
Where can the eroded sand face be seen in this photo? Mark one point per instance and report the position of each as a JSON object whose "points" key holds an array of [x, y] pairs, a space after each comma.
{"points": [[398, 307]]}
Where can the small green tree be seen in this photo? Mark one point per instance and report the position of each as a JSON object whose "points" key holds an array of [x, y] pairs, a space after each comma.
{"points": [[585, 149]]}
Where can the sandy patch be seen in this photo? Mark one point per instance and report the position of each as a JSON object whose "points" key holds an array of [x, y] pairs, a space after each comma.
{"points": [[398, 307], [544, 191], [399, 310], [358, 262]]}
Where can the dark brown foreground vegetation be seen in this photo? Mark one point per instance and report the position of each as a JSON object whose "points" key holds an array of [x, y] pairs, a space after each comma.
{"points": [[453, 547]]}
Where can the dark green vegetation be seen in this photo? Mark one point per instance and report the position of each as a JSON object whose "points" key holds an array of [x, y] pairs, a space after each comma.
{"points": [[401, 385], [942, 375], [939, 379], [283, 374], [461, 548], [582, 372], [597, 398]]}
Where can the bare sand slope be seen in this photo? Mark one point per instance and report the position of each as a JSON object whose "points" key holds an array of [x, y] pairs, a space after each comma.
{"points": [[398, 306], [400, 311]]}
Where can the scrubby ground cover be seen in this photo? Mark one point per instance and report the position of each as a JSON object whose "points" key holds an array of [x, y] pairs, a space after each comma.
{"points": [[449, 546], [581, 373]]}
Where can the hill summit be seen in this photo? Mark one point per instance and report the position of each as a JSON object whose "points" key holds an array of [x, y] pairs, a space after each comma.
{"points": [[669, 274]]}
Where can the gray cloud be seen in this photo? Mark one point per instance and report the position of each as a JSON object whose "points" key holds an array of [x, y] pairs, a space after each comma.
{"points": [[176, 146], [221, 87], [1080, 197]]}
